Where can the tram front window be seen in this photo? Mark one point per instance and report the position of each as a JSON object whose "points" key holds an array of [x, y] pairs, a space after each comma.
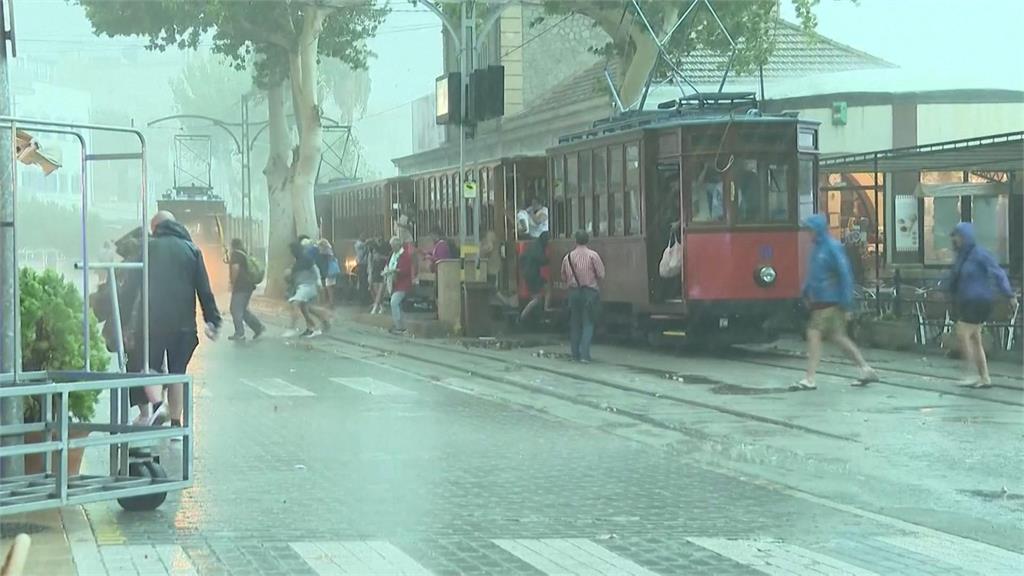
{"points": [[707, 202], [759, 191]]}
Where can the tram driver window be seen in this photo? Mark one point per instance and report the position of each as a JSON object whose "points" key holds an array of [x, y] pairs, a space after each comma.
{"points": [[759, 191], [707, 202]]}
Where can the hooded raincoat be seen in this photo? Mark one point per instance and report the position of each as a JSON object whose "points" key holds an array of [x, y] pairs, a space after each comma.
{"points": [[829, 277], [975, 276]]}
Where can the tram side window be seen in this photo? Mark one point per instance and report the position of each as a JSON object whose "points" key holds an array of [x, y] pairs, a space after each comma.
{"points": [[707, 198], [616, 208], [586, 192], [558, 227], [805, 188], [601, 192], [572, 191], [633, 189]]}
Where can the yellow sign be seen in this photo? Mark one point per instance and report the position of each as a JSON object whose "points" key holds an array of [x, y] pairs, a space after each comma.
{"points": [[469, 190]]}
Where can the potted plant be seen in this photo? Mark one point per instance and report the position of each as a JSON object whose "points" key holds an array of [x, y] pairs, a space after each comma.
{"points": [[51, 339]]}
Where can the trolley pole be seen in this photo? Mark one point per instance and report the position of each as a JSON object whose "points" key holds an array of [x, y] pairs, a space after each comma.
{"points": [[10, 409]]}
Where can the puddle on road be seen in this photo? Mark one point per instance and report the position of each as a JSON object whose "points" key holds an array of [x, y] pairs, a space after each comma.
{"points": [[737, 390], [504, 343], [993, 495]]}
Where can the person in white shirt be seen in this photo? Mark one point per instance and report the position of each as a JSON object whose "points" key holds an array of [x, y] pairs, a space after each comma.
{"points": [[538, 218]]}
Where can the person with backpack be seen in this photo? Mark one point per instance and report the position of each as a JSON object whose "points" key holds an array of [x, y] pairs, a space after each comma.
{"points": [[972, 284], [828, 293], [246, 274]]}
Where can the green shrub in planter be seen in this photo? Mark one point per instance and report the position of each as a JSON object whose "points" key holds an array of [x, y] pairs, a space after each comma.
{"points": [[51, 337]]}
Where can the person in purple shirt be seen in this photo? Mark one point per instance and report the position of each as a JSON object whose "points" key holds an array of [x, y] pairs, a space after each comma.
{"points": [[440, 250]]}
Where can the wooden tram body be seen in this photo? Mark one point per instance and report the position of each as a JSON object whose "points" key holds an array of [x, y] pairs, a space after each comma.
{"points": [[738, 185]]}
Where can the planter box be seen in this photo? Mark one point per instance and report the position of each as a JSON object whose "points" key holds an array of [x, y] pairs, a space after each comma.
{"points": [[888, 334], [34, 463]]}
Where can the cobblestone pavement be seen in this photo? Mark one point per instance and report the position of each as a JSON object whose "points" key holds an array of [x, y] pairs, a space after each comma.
{"points": [[321, 458]]}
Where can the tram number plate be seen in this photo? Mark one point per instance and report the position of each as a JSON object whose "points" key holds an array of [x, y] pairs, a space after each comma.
{"points": [[723, 322]]}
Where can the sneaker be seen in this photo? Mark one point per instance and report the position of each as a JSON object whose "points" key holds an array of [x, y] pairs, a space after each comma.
{"points": [[398, 331], [310, 333], [982, 384], [237, 337], [805, 384], [291, 333]]}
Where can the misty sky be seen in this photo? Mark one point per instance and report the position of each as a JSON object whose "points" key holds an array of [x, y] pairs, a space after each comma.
{"points": [[976, 38]]}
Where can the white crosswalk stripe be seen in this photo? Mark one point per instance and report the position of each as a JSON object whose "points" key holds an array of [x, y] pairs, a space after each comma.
{"points": [[971, 556], [122, 559], [276, 387], [373, 387], [572, 557], [364, 558], [780, 559]]}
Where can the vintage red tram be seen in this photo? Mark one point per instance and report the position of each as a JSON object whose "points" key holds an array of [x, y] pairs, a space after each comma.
{"points": [[735, 186]]}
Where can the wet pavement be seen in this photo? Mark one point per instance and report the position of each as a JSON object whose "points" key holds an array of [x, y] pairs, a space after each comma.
{"points": [[369, 454]]}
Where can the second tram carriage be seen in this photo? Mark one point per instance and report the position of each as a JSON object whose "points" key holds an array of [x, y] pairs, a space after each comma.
{"points": [[731, 187]]}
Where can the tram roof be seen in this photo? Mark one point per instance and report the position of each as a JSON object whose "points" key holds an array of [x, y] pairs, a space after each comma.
{"points": [[996, 152], [674, 119]]}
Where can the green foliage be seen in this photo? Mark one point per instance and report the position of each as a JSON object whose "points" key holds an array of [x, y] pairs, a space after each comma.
{"points": [[258, 34], [751, 24], [51, 336]]}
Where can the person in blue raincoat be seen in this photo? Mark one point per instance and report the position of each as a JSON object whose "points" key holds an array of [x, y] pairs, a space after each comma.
{"points": [[828, 293], [972, 283]]}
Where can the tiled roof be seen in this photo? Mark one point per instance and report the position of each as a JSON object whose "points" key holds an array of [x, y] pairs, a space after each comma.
{"points": [[797, 53]]}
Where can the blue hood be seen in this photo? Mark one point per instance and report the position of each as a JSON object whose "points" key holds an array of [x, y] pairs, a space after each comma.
{"points": [[965, 230], [829, 277], [818, 223]]}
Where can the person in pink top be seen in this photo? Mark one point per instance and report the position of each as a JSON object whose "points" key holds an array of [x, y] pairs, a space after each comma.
{"points": [[582, 271]]}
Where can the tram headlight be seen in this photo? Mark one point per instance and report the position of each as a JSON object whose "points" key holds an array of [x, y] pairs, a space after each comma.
{"points": [[765, 276]]}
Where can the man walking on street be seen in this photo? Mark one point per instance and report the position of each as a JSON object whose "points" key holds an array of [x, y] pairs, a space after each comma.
{"points": [[243, 283], [582, 271], [828, 293], [177, 276]]}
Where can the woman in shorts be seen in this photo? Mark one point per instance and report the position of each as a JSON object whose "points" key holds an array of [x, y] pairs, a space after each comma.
{"points": [[306, 277], [972, 283]]}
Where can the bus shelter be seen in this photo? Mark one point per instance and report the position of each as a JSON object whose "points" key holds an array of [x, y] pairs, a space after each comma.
{"points": [[901, 204]]}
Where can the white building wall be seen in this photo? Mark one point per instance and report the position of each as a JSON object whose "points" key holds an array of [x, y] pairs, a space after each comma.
{"points": [[867, 128], [942, 122]]}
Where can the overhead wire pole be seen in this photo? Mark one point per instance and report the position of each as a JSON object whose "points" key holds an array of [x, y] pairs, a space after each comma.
{"points": [[466, 38], [10, 409]]}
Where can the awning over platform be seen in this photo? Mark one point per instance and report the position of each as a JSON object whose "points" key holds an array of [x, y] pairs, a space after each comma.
{"points": [[995, 153]]}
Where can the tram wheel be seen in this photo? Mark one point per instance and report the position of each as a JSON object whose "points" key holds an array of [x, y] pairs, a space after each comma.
{"points": [[149, 501]]}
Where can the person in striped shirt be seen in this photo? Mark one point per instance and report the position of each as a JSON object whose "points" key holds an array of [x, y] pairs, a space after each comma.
{"points": [[582, 271]]}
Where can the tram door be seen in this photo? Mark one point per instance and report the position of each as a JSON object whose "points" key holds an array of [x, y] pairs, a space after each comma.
{"points": [[666, 216]]}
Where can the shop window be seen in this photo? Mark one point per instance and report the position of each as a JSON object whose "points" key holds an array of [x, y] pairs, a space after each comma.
{"points": [[941, 215], [632, 198], [616, 207], [601, 192]]}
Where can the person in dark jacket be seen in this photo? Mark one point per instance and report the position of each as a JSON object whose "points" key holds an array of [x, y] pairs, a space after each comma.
{"points": [[177, 276], [534, 264], [972, 284], [828, 293]]}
